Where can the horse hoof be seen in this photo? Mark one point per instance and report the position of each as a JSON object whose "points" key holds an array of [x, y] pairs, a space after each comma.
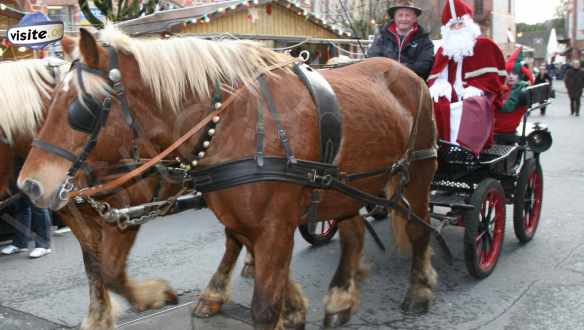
{"points": [[415, 307], [338, 319], [205, 308], [296, 321], [248, 271]]}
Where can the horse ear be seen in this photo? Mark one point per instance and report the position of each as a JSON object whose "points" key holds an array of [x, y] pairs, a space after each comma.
{"points": [[88, 48], [69, 44]]}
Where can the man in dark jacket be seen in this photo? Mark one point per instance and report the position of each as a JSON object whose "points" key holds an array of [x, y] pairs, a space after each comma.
{"points": [[541, 78], [403, 40], [574, 80]]}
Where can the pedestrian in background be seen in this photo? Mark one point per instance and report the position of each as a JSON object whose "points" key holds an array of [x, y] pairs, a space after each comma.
{"points": [[574, 80], [543, 77], [403, 40], [33, 225]]}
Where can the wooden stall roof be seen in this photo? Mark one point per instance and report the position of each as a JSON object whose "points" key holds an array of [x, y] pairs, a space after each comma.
{"points": [[201, 18], [9, 16], [7, 10]]}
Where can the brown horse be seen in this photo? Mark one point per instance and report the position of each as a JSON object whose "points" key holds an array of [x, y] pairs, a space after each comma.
{"points": [[22, 111], [168, 86]]}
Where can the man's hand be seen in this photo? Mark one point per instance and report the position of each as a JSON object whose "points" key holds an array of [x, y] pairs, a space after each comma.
{"points": [[471, 91]]}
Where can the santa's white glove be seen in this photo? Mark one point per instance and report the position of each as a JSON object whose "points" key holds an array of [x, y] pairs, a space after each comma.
{"points": [[471, 91], [441, 88]]}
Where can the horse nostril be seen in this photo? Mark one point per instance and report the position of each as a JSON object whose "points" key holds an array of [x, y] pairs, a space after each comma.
{"points": [[32, 188]]}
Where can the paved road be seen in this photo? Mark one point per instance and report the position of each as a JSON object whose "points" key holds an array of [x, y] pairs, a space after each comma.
{"points": [[536, 286]]}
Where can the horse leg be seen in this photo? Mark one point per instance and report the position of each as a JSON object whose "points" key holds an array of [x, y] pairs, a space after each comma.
{"points": [[422, 275], [248, 270], [217, 291], [102, 311], [148, 294], [273, 252], [343, 296]]}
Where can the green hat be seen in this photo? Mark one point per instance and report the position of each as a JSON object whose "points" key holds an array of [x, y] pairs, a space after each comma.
{"points": [[397, 4]]}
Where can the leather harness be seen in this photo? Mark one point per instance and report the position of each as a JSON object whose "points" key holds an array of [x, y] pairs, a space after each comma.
{"points": [[318, 175]]}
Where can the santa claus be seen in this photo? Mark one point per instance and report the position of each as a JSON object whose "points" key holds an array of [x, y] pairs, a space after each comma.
{"points": [[466, 80]]}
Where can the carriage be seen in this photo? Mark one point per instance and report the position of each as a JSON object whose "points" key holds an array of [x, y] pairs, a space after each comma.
{"points": [[472, 191], [223, 165]]}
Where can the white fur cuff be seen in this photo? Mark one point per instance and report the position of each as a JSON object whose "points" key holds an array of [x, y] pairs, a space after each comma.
{"points": [[471, 91], [441, 88]]}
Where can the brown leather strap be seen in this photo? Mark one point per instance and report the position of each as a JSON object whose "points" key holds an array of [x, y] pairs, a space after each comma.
{"points": [[90, 191]]}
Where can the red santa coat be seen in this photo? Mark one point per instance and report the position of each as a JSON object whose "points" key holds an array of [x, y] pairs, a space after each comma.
{"points": [[484, 70]]}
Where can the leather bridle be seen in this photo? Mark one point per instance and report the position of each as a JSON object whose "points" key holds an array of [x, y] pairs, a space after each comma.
{"points": [[89, 116]]}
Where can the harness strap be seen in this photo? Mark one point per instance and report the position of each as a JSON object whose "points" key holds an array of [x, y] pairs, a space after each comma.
{"points": [[396, 205], [306, 173], [118, 88], [200, 145], [260, 133], [281, 132], [63, 153]]}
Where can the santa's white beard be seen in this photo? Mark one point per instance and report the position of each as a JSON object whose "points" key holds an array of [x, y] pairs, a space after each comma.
{"points": [[460, 43]]}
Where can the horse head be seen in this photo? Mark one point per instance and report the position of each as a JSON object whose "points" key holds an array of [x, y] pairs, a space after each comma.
{"points": [[126, 94]]}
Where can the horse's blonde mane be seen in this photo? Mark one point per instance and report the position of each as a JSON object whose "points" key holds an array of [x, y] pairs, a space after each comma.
{"points": [[24, 86], [175, 67]]}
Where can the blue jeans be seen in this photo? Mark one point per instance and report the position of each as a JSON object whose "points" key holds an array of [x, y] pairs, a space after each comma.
{"points": [[34, 225]]}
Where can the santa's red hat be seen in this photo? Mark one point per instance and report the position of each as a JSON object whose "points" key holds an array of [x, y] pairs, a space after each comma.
{"points": [[455, 9]]}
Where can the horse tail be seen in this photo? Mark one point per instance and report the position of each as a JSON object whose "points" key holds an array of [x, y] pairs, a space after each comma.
{"points": [[426, 123]]}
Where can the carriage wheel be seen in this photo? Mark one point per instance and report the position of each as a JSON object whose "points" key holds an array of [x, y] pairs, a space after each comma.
{"points": [[528, 199], [377, 213], [484, 228], [318, 233]]}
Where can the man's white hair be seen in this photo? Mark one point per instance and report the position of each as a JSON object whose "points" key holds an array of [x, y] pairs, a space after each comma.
{"points": [[460, 43]]}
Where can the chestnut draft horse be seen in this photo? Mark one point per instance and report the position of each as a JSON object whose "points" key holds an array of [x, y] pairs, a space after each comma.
{"points": [[168, 87], [105, 248]]}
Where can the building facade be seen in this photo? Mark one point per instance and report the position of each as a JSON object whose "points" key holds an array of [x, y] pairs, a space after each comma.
{"points": [[495, 17]]}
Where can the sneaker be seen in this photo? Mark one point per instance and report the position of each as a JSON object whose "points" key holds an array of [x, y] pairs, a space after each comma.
{"points": [[62, 230], [11, 249], [39, 252]]}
